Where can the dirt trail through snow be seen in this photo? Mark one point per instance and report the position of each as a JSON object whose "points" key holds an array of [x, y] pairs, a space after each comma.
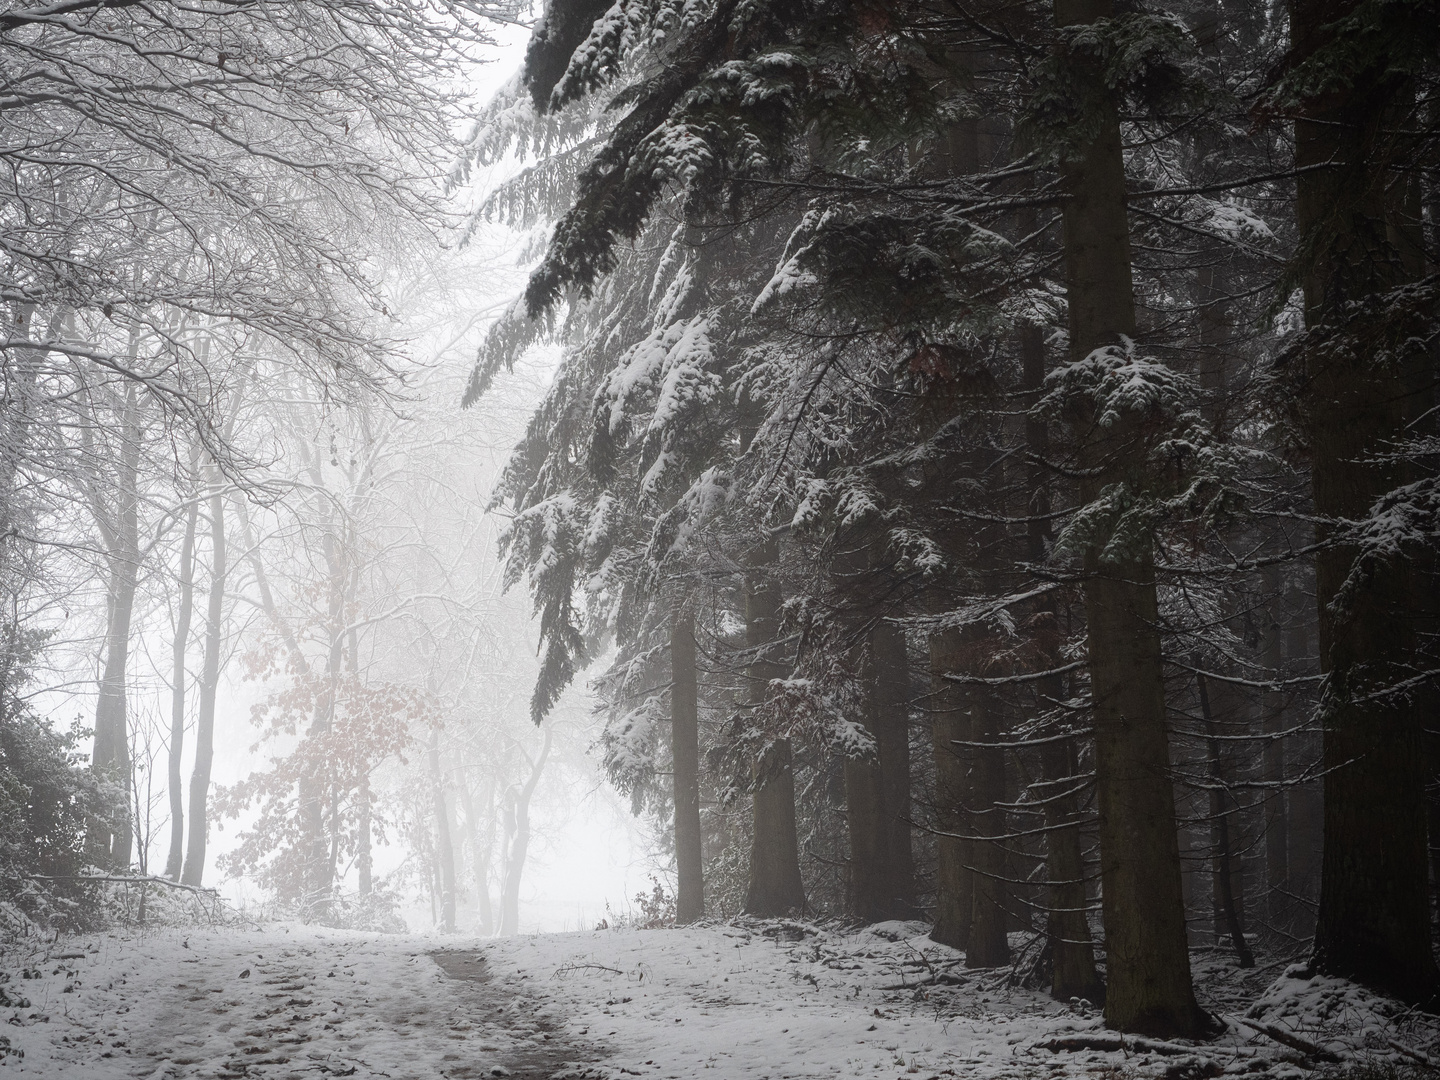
{"points": [[273, 1004]]}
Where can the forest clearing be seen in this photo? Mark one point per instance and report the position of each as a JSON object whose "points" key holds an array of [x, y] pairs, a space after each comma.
{"points": [[758, 1000]]}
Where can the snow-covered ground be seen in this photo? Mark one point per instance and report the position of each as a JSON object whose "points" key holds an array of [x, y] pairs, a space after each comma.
{"points": [[753, 1001]]}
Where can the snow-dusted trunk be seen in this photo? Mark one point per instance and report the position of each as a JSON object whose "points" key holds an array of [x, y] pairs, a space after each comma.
{"points": [[957, 153], [209, 686], [685, 753], [173, 860], [949, 725], [775, 887], [1147, 957], [1072, 954], [111, 756], [444, 847], [1374, 917], [518, 835]]}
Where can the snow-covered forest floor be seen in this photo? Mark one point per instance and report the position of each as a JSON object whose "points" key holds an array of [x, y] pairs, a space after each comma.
{"points": [[761, 1000]]}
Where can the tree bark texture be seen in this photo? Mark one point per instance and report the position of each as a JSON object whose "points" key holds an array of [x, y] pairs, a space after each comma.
{"points": [[1072, 950], [950, 724], [1273, 717], [209, 684], [989, 947], [174, 860], [1222, 806], [685, 751], [112, 733], [877, 790], [1374, 918], [775, 887], [1149, 988]]}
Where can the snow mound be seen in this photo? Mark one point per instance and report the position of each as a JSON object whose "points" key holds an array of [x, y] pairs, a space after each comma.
{"points": [[1345, 1022]]}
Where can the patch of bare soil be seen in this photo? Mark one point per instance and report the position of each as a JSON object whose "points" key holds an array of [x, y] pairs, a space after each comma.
{"points": [[539, 1049]]}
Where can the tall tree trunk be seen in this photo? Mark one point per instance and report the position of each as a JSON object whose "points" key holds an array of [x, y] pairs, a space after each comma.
{"points": [[950, 725], [865, 812], [1072, 951], [209, 684], [1374, 919], [112, 734], [775, 887], [177, 694], [988, 946], [444, 847], [955, 153], [518, 808], [685, 751], [1273, 717], [892, 687], [1221, 808], [877, 791], [1147, 959], [1306, 827]]}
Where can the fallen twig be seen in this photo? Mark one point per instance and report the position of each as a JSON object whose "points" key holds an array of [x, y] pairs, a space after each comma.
{"points": [[1415, 1055], [570, 969], [1109, 1043], [1287, 1038]]}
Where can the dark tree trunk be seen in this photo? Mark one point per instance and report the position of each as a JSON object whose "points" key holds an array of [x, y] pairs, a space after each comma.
{"points": [[209, 684], [1305, 828], [685, 751], [1221, 808], [1273, 717], [950, 726], [1223, 709], [174, 860], [892, 736], [775, 887], [1374, 918], [1147, 960], [988, 946], [1072, 950], [877, 789]]}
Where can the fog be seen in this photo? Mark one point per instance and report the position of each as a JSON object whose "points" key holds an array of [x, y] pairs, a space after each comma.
{"points": [[366, 642]]}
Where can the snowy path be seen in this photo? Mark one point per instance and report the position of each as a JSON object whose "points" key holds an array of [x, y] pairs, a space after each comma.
{"points": [[277, 1003], [768, 1001]]}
